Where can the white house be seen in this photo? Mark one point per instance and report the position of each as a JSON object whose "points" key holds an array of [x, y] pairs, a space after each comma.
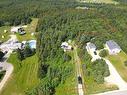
{"points": [[91, 48], [112, 47], [66, 46]]}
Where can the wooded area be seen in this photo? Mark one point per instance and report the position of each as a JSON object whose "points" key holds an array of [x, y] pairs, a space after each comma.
{"points": [[59, 21]]}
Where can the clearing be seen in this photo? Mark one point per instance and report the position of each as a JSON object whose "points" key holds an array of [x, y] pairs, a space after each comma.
{"points": [[31, 28], [24, 77], [118, 61]]}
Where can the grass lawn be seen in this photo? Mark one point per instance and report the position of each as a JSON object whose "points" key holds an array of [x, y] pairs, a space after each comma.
{"points": [[24, 77], [94, 88], [118, 62], [29, 29], [6, 35], [101, 1]]}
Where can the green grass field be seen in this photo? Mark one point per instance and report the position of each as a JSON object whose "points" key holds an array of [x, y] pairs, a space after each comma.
{"points": [[6, 35], [101, 1], [118, 62], [23, 78], [29, 29]]}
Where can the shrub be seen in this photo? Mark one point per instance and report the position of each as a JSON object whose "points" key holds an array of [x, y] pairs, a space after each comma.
{"points": [[67, 57], [103, 53], [125, 63], [1, 55]]}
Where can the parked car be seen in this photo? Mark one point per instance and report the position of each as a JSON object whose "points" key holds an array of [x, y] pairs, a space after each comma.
{"points": [[95, 52], [79, 80]]}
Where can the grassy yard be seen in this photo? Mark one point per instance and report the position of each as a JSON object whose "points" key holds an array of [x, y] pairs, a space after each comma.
{"points": [[118, 62], [93, 88], [101, 1], [24, 77], [6, 35], [29, 29]]}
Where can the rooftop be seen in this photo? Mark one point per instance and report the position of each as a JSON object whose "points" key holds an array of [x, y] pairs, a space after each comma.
{"points": [[91, 45], [112, 44]]}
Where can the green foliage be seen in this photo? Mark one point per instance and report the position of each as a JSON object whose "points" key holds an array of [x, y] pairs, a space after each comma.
{"points": [[2, 73], [1, 55], [66, 57], [125, 63], [98, 69], [27, 51], [103, 53], [20, 54]]}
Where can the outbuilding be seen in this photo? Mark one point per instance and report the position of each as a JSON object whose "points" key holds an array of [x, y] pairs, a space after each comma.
{"points": [[112, 47]]}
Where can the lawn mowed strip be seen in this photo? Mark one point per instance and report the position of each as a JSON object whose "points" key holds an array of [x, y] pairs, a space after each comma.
{"points": [[24, 77], [118, 61]]}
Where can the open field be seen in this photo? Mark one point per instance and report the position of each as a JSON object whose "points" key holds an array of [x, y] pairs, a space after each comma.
{"points": [[24, 77], [6, 35], [100, 1], [118, 62], [31, 28]]}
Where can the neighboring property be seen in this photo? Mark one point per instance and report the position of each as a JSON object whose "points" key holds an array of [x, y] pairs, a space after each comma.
{"points": [[18, 29], [91, 48], [66, 46], [112, 47]]}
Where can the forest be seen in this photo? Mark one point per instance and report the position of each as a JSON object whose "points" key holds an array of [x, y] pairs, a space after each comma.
{"points": [[59, 21]]}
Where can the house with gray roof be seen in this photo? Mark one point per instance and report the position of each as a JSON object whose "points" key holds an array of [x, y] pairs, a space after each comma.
{"points": [[112, 47], [90, 47]]}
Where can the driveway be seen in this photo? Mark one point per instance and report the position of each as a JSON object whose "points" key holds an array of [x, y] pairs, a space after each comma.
{"points": [[7, 66], [114, 77], [9, 69]]}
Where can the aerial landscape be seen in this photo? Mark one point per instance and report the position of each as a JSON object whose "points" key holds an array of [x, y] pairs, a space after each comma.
{"points": [[63, 47]]}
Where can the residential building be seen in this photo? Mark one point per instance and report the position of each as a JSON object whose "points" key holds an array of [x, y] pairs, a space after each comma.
{"points": [[112, 47], [91, 48], [66, 46]]}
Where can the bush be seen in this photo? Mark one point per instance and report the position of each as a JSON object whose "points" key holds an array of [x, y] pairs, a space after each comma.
{"points": [[125, 63], [103, 53], [98, 70], [1, 55], [67, 57]]}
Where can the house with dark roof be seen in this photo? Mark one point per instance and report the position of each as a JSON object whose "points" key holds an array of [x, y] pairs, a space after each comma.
{"points": [[112, 47]]}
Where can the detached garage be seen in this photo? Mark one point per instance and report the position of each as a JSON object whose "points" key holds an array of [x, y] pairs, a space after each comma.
{"points": [[112, 47]]}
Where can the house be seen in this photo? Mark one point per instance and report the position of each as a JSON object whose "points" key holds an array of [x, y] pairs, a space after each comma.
{"points": [[66, 46], [91, 48], [112, 47]]}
